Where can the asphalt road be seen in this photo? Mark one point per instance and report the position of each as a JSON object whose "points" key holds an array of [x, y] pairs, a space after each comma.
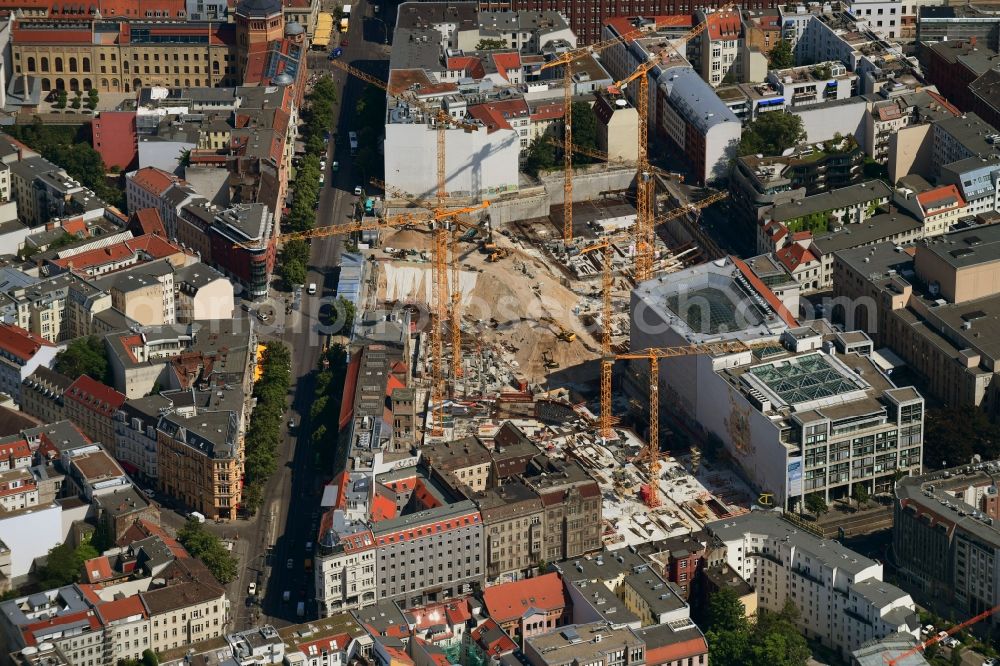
{"points": [[289, 517]]}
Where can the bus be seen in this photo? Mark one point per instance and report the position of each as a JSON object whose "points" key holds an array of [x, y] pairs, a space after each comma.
{"points": [[353, 137]]}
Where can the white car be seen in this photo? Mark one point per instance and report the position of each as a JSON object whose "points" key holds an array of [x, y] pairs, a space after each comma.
{"points": [[312, 288], [358, 191], [990, 662], [952, 642], [252, 589]]}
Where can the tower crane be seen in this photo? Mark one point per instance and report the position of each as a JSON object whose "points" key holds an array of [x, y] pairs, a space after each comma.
{"points": [[644, 184], [933, 640], [441, 117], [439, 291], [566, 60], [454, 295], [653, 355], [607, 360]]}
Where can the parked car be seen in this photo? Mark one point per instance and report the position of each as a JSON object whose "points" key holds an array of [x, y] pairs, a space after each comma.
{"points": [[952, 642], [290, 563], [335, 166], [312, 288], [286, 595], [291, 424], [335, 53], [990, 662], [358, 191], [252, 589]]}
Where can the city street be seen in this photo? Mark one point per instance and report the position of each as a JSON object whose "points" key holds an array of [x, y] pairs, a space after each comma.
{"points": [[272, 546]]}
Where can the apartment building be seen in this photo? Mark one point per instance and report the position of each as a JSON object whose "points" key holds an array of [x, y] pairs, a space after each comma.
{"points": [[42, 395], [723, 52], [135, 436], [796, 418], [200, 455], [21, 353], [528, 608], [191, 607], [18, 489], [202, 293], [840, 595], [345, 576], [430, 555], [60, 308], [465, 462], [143, 293], [930, 308], [883, 17], [91, 406], [513, 527], [597, 643], [573, 510], [945, 536]]}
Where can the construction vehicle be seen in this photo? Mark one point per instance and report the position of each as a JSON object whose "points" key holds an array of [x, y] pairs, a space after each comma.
{"points": [[498, 253], [565, 334], [547, 359], [566, 60]]}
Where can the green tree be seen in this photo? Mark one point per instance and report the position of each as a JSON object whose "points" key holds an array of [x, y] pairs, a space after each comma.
{"points": [[584, 130], [771, 134], [541, 156], [955, 434], [84, 356], [61, 98], [64, 564], [816, 504], [781, 55], [860, 494], [70, 147], [490, 45], [293, 272], [92, 99], [209, 549], [726, 612], [149, 658]]}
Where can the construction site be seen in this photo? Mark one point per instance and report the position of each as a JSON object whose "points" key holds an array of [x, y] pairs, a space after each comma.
{"points": [[526, 300]]}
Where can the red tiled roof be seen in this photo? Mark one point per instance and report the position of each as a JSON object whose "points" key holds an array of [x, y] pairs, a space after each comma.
{"points": [[428, 529], [724, 25], [156, 247], [943, 101], [775, 230], [97, 569], [495, 115], [622, 25], [510, 601], [501, 643], [945, 198], [350, 385], [336, 643], [20, 343], [676, 652], [15, 450], [505, 62], [95, 396], [383, 508], [28, 630], [148, 221], [794, 255], [119, 609], [547, 111], [153, 180], [765, 292], [470, 65]]}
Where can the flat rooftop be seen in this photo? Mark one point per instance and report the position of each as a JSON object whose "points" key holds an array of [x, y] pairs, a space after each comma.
{"points": [[712, 302]]}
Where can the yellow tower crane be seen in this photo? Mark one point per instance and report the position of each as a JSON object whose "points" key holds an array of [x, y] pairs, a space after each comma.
{"points": [[644, 184], [653, 355], [454, 296], [439, 292], [442, 119], [566, 60], [607, 360]]}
